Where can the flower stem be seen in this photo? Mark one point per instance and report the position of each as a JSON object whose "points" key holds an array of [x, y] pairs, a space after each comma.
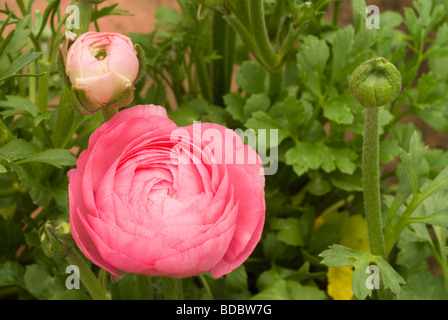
{"points": [[371, 182], [108, 113], [91, 282], [260, 33], [85, 14], [173, 289], [144, 287]]}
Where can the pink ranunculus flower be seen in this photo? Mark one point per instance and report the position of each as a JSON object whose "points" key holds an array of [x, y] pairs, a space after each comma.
{"points": [[152, 198], [102, 68]]}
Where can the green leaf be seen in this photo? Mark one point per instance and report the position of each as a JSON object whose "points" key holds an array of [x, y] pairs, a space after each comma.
{"points": [[439, 218], [289, 290], [11, 237], [342, 43], [19, 105], [297, 112], [18, 64], [256, 102], [262, 121], [339, 256], [389, 149], [359, 12], [11, 273], [251, 78], [289, 231], [234, 103], [17, 149], [109, 11], [338, 112], [303, 157], [236, 281], [423, 286], [45, 286], [183, 117], [167, 17], [311, 60], [347, 182], [56, 157]]}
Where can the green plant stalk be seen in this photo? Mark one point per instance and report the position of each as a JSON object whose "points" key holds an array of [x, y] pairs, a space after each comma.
{"points": [[276, 82], [108, 113], [204, 79], [94, 287], [42, 98], [224, 44], [85, 14], [173, 289], [144, 287], [260, 33], [371, 182], [65, 117]]}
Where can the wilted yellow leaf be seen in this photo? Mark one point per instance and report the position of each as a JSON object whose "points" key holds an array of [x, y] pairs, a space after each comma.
{"points": [[340, 283], [352, 234]]}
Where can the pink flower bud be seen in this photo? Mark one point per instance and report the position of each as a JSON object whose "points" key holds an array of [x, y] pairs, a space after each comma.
{"points": [[102, 68]]}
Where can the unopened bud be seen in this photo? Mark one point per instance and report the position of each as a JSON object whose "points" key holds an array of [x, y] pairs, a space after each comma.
{"points": [[375, 82], [56, 239]]}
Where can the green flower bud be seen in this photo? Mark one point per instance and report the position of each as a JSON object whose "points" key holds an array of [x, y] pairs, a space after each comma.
{"points": [[375, 82], [56, 239]]}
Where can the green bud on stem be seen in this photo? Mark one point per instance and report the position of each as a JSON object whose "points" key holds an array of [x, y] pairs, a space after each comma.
{"points": [[56, 238], [375, 82]]}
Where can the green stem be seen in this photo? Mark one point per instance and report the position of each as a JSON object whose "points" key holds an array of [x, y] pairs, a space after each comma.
{"points": [[64, 118], [371, 182], [206, 286], [144, 287], [260, 33], [275, 83], [91, 282], [173, 289], [108, 113], [224, 45], [85, 14]]}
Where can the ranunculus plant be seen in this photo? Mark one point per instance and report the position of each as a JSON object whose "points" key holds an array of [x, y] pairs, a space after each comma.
{"points": [[243, 149]]}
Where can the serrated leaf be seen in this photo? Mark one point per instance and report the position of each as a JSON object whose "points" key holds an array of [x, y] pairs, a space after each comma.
{"points": [[303, 157], [289, 290], [262, 122], [256, 102], [311, 60], [338, 112], [234, 103], [424, 286], [340, 256], [297, 112], [251, 78]]}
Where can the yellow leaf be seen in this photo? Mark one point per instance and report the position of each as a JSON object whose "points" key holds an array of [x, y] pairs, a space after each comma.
{"points": [[340, 283]]}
